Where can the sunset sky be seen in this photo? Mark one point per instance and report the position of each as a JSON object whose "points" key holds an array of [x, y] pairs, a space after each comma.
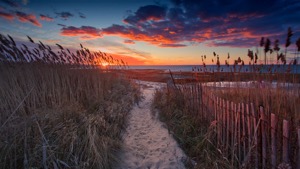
{"points": [[155, 31]]}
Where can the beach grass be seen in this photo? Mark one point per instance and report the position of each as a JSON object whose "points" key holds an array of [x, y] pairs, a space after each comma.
{"points": [[56, 117], [189, 130], [58, 109], [271, 87]]}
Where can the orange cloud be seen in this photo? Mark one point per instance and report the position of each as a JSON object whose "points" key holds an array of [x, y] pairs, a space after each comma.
{"points": [[23, 17], [85, 32], [137, 35], [175, 45], [7, 16], [46, 18], [190, 22], [128, 41]]}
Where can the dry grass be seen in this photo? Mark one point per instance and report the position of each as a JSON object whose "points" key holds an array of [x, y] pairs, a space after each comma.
{"points": [[55, 115], [190, 131], [280, 101], [197, 136]]}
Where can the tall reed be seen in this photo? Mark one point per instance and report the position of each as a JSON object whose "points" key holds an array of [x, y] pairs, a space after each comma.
{"points": [[57, 115], [275, 87]]}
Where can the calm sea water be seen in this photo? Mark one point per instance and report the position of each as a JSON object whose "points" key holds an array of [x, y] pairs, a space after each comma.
{"points": [[223, 68]]}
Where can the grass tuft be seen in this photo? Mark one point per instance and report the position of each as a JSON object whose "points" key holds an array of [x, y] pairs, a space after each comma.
{"points": [[53, 116], [188, 130]]}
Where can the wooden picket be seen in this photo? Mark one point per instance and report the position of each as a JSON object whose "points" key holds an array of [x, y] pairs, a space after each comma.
{"points": [[246, 134], [274, 120]]}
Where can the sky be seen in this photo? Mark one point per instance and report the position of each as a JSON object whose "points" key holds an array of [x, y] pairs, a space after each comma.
{"points": [[156, 32]]}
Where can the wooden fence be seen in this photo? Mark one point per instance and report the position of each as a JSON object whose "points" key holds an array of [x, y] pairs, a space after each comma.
{"points": [[246, 135]]}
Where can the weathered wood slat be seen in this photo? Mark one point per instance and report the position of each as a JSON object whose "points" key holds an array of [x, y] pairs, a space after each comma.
{"points": [[243, 136], [228, 127], [243, 132], [298, 159], [255, 129], [232, 110], [224, 124], [285, 142], [274, 120], [263, 137], [239, 131], [236, 130], [249, 127]]}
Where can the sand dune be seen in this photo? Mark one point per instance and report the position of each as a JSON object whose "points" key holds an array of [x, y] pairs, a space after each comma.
{"points": [[147, 142]]}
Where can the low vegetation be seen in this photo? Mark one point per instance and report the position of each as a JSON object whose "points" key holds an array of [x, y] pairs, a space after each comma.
{"points": [[59, 110], [60, 113], [274, 87], [190, 131]]}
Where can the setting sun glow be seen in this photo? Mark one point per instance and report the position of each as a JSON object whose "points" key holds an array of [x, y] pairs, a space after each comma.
{"points": [[104, 64], [151, 33]]}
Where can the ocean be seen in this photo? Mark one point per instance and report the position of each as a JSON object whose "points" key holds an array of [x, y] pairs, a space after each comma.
{"points": [[223, 68]]}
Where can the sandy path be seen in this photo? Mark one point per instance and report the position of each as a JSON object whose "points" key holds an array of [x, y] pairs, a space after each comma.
{"points": [[147, 143]]}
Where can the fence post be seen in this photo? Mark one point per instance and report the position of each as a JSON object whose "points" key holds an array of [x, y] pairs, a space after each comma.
{"points": [[239, 132], [263, 136], [202, 97], [274, 121], [224, 124], [232, 132], [215, 108], [285, 142], [218, 121], [298, 158], [194, 99], [244, 131], [199, 92], [208, 101], [249, 127], [255, 134], [227, 127], [236, 130]]}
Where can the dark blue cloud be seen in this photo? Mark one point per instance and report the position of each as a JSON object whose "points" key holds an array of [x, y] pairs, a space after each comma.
{"points": [[62, 25], [64, 15], [10, 3], [209, 9], [218, 22], [145, 13], [81, 15]]}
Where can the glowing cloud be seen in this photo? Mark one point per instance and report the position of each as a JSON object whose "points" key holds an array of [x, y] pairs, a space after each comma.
{"points": [[145, 13], [23, 17], [46, 18], [128, 41], [138, 35], [224, 24], [132, 60], [7, 16], [85, 32], [173, 45]]}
